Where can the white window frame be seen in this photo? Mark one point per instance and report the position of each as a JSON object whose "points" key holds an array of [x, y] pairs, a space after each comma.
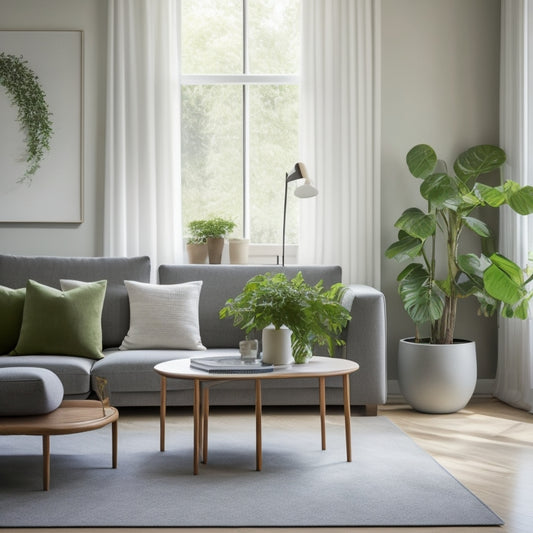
{"points": [[245, 80]]}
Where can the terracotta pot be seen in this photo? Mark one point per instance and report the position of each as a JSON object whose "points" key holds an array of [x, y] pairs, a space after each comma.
{"points": [[197, 253], [215, 246]]}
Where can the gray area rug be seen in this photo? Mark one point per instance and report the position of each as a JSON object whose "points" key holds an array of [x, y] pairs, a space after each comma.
{"points": [[391, 481]]}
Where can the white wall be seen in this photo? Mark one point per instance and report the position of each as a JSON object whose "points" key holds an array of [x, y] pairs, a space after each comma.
{"points": [[440, 69], [440, 86], [89, 16]]}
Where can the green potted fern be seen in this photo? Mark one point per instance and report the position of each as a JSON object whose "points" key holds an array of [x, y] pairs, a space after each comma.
{"points": [[429, 240], [210, 231], [292, 315]]}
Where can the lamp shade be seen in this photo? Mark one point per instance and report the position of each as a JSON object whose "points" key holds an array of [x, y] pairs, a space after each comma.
{"points": [[307, 190]]}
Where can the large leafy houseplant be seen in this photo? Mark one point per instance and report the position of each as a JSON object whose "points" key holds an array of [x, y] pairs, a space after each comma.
{"points": [[431, 238], [313, 314]]}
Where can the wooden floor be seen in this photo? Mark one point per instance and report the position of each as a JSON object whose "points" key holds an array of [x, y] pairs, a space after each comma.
{"points": [[487, 446]]}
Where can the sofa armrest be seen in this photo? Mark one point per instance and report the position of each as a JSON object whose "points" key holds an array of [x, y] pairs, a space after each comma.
{"points": [[366, 340]]}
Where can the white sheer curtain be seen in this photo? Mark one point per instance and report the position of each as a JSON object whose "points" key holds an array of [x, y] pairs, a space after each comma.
{"points": [[142, 177], [514, 381], [339, 143]]}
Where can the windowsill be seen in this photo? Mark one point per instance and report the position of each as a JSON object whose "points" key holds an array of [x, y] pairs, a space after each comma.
{"points": [[262, 254], [270, 254]]}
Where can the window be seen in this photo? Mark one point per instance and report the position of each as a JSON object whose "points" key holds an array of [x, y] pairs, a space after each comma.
{"points": [[239, 98]]}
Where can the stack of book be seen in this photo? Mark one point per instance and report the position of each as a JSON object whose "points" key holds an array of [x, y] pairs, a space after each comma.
{"points": [[230, 365]]}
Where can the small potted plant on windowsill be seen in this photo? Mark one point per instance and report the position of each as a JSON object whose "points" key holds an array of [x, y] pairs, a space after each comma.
{"points": [[212, 231], [196, 243], [438, 374], [292, 315]]}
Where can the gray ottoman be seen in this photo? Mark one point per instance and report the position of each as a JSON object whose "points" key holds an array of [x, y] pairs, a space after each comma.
{"points": [[29, 391]]}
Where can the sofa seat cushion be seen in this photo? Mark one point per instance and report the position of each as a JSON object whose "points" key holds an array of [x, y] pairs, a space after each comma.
{"points": [[29, 391], [74, 372], [133, 370]]}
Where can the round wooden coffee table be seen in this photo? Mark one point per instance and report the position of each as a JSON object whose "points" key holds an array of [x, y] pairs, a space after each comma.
{"points": [[72, 416], [317, 367]]}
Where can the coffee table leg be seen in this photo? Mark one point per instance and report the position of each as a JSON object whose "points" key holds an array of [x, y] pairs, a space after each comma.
{"points": [[205, 420], [196, 417], [322, 389], [258, 434], [162, 413], [114, 432], [347, 417], [46, 462]]}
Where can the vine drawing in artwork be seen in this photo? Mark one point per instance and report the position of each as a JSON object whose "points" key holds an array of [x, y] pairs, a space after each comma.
{"points": [[26, 93]]}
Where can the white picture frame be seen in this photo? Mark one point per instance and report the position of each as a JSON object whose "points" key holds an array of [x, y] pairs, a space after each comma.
{"points": [[55, 192]]}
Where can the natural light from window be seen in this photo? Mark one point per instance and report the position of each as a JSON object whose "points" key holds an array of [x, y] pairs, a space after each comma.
{"points": [[239, 98]]}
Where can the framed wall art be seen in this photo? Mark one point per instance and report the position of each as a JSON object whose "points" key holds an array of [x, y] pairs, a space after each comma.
{"points": [[41, 126]]}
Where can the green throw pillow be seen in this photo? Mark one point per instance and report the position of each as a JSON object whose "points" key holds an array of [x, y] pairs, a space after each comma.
{"points": [[11, 307], [62, 323]]}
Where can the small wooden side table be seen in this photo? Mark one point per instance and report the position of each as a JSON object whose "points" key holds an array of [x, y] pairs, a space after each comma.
{"points": [[72, 416]]}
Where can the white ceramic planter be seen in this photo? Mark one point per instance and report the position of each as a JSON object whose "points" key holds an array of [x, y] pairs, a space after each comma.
{"points": [[238, 251], [277, 348], [437, 378]]}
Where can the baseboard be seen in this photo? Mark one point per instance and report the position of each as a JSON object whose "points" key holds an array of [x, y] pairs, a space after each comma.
{"points": [[484, 388]]}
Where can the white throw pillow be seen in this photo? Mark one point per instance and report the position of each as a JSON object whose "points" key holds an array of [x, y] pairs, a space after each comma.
{"points": [[163, 316]]}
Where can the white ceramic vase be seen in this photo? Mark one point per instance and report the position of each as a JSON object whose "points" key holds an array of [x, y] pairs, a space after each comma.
{"points": [[437, 378], [277, 348]]}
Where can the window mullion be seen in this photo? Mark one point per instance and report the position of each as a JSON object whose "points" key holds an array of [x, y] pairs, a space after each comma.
{"points": [[246, 128], [246, 162]]}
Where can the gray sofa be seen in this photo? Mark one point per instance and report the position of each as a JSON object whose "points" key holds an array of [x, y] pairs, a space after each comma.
{"points": [[130, 374]]}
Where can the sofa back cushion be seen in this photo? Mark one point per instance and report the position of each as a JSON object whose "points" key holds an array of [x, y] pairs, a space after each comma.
{"points": [[221, 282], [16, 270]]}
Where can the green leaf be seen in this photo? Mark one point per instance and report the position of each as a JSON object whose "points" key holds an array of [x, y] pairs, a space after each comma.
{"points": [[500, 286], [467, 286], [510, 268], [521, 201], [408, 269], [494, 196], [416, 223], [473, 265], [477, 226], [440, 190], [405, 248], [423, 300], [478, 160], [521, 311], [421, 160]]}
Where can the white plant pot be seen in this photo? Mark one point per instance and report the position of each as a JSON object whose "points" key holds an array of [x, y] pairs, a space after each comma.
{"points": [[437, 378], [238, 251], [277, 348]]}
